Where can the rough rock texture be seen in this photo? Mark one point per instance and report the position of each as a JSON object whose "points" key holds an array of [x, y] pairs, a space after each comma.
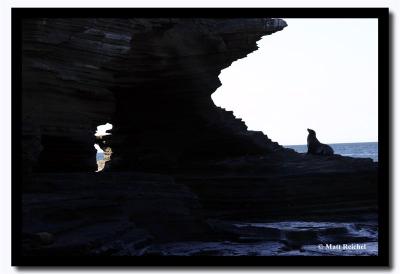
{"points": [[282, 186], [293, 238], [90, 214], [151, 78], [107, 152]]}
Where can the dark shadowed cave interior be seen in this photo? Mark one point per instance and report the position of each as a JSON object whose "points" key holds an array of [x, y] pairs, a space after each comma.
{"points": [[182, 169]]}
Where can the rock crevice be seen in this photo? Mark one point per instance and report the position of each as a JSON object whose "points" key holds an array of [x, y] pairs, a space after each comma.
{"points": [[152, 78], [177, 159]]}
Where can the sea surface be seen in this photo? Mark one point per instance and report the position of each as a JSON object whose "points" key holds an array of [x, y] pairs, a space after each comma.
{"points": [[299, 237], [356, 150], [99, 156], [294, 239]]}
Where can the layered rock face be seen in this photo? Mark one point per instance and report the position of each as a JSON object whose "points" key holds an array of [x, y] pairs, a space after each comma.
{"points": [[152, 78], [88, 214], [283, 186]]}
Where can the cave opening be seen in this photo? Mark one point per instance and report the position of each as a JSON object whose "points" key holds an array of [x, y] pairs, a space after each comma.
{"points": [[102, 145]]}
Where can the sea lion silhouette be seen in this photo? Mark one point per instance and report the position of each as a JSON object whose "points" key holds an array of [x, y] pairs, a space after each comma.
{"points": [[315, 147]]}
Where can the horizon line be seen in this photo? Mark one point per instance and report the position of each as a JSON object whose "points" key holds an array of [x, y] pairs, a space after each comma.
{"points": [[333, 143]]}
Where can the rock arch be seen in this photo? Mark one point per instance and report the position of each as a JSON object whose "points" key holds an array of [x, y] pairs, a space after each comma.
{"points": [[152, 78]]}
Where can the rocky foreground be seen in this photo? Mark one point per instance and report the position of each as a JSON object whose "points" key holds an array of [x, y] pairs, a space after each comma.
{"points": [[185, 177], [246, 206]]}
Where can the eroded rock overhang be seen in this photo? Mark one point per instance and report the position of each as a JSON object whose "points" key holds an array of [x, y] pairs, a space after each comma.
{"points": [[152, 78]]}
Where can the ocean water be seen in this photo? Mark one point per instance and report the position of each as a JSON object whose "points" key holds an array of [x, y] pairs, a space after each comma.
{"points": [[299, 238], [309, 238], [356, 150], [99, 156]]}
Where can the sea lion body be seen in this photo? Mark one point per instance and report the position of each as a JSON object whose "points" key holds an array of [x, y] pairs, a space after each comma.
{"points": [[316, 147]]}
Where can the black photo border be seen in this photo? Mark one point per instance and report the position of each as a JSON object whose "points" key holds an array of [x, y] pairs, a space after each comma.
{"points": [[382, 14]]}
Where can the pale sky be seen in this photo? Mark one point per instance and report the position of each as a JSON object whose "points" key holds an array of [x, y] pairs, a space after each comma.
{"points": [[316, 73], [101, 131]]}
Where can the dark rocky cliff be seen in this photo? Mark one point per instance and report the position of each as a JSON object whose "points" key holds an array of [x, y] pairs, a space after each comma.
{"points": [[153, 80]]}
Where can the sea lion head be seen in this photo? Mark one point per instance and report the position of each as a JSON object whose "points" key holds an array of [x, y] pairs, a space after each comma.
{"points": [[310, 131]]}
